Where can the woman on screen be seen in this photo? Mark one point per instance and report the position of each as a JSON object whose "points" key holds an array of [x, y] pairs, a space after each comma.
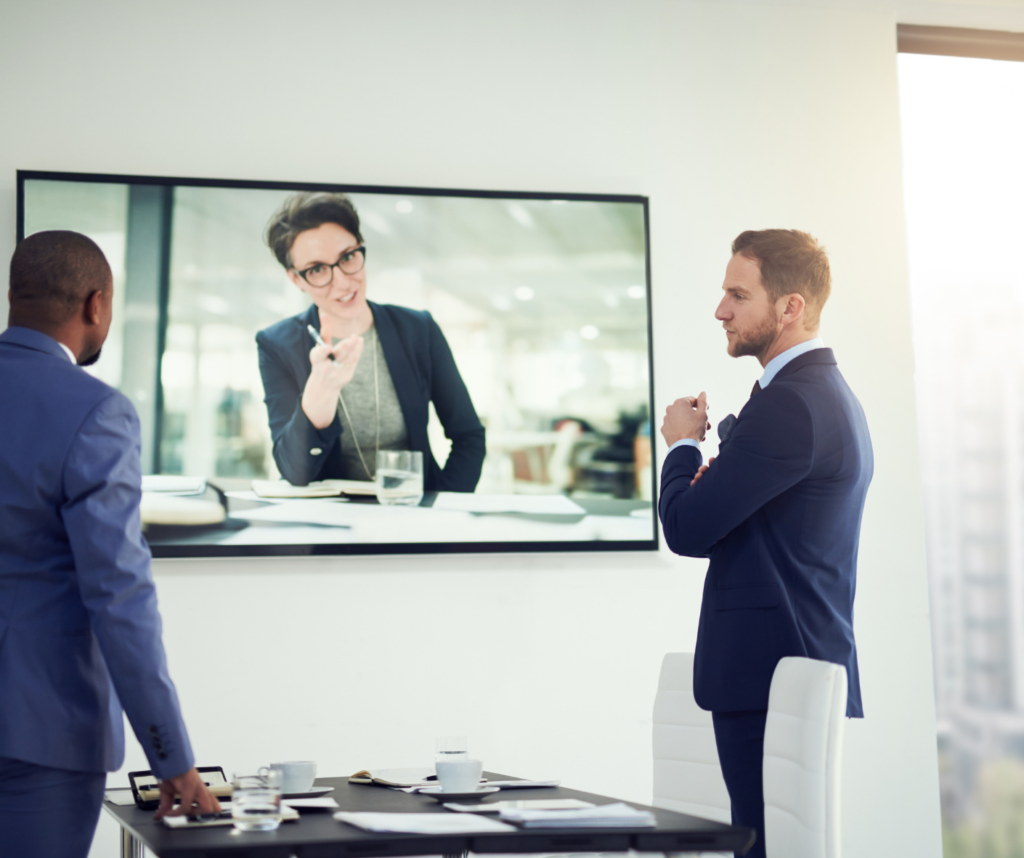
{"points": [[362, 379]]}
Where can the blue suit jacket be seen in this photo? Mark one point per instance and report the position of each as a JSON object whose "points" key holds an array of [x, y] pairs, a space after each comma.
{"points": [[422, 369], [779, 514], [80, 635]]}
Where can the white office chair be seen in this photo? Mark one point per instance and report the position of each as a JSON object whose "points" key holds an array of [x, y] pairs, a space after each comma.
{"points": [[803, 743], [687, 774]]}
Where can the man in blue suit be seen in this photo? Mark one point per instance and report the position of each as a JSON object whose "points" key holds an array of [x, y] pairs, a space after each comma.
{"points": [[80, 634], [778, 512]]}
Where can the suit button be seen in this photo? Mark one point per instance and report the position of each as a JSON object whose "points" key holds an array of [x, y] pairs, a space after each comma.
{"points": [[316, 451], [161, 756]]}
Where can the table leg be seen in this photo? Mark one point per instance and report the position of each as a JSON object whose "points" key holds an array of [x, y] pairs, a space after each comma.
{"points": [[131, 846]]}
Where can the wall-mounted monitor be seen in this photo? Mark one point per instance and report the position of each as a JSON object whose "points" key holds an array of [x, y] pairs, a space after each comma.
{"points": [[276, 337]]}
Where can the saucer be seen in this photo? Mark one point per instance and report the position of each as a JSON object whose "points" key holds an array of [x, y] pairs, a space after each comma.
{"points": [[440, 795], [312, 792]]}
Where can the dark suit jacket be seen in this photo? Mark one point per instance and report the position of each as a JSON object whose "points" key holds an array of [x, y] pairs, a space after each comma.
{"points": [[423, 371], [779, 515], [80, 634]]}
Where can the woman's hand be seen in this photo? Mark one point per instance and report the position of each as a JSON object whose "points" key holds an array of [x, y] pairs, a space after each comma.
{"points": [[328, 377]]}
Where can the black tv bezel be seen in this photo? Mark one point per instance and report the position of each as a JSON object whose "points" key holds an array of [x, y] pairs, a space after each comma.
{"points": [[334, 549]]}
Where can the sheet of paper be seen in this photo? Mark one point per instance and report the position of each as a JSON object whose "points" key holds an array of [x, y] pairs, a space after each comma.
{"points": [[480, 503], [528, 804], [322, 489], [333, 513], [325, 802], [423, 823], [523, 784], [173, 484], [121, 796], [617, 815]]}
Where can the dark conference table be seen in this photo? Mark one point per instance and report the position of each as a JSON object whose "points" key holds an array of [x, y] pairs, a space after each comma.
{"points": [[318, 835]]}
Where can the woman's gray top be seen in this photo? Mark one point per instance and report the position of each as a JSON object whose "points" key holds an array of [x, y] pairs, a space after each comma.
{"points": [[361, 401]]}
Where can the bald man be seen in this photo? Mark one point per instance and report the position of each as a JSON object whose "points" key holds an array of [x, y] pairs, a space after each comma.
{"points": [[80, 634]]}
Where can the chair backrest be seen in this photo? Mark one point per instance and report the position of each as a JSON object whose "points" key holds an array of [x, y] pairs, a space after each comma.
{"points": [[687, 774], [803, 744]]}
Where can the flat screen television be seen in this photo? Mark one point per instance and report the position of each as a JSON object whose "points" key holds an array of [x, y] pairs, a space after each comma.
{"points": [[505, 337]]}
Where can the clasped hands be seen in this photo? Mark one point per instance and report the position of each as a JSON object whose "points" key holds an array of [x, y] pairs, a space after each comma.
{"points": [[688, 418], [332, 367]]}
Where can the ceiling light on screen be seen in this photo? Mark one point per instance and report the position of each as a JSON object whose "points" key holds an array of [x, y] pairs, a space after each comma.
{"points": [[611, 301], [636, 292], [524, 293], [589, 332], [520, 214], [500, 302], [403, 206]]}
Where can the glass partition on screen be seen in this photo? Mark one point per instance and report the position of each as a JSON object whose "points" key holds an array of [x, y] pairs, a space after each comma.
{"points": [[528, 384]]}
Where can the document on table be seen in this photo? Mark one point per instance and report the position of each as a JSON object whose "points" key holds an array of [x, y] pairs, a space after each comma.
{"points": [[332, 513], [422, 823], [617, 815], [527, 504]]}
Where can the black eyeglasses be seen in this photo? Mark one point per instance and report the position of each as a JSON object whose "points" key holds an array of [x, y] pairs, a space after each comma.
{"points": [[321, 274]]}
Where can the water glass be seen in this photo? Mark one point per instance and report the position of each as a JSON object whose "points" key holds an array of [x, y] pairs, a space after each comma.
{"points": [[450, 748], [399, 477], [256, 800]]}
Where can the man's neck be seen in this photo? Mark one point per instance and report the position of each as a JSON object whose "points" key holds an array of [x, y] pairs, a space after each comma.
{"points": [[783, 343], [61, 333]]}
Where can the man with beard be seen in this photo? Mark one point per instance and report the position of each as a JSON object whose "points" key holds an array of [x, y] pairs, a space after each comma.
{"points": [[778, 511], [80, 634]]}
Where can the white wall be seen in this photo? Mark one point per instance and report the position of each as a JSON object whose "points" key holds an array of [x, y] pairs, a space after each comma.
{"points": [[730, 116]]}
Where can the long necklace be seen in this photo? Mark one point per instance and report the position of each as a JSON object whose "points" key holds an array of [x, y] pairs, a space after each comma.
{"points": [[376, 396]]}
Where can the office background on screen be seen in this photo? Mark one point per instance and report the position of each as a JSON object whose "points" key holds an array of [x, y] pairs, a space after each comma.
{"points": [[543, 302]]}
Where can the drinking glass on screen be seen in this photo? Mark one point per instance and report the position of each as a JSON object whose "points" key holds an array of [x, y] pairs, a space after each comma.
{"points": [[399, 477], [256, 800]]}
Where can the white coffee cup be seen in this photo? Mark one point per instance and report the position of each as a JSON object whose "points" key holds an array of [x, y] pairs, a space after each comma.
{"points": [[461, 775], [296, 776]]}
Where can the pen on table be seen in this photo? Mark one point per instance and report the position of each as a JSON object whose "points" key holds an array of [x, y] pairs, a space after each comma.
{"points": [[315, 334]]}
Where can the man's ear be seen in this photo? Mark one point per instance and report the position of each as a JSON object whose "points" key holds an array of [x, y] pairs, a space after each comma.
{"points": [[92, 310], [794, 308]]}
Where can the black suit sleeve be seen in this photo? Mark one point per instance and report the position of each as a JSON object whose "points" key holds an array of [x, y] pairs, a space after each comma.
{"points": [[300, 449], [771, 449], [455, 410]]}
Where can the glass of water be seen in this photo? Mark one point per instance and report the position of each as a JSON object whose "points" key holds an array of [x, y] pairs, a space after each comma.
{"points": [[399, 477], [256, 800], [450, 748]]}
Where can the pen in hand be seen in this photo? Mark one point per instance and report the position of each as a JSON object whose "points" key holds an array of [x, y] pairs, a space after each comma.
{"points": [[315, 334]]}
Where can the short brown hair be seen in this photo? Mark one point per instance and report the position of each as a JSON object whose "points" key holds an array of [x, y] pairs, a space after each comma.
{"points": [[57, 270], [308, 210], [791, 261]]}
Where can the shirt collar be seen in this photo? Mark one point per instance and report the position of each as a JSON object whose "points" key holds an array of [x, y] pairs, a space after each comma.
{"points": [[779, 361], [68, 352]]}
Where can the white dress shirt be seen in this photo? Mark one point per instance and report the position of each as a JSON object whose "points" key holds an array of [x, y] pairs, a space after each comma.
{"points": [[770, 371]]}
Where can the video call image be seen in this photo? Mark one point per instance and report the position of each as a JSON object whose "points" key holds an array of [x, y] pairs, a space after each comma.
{"points": [[279, 345]]}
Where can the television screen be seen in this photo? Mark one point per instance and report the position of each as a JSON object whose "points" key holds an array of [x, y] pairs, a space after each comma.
{"points": [[350, 369]]}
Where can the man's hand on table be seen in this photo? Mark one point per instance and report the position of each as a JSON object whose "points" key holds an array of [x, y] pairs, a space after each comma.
{"points": [[195, 797]]}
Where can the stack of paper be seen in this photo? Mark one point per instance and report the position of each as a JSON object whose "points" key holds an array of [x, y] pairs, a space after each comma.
{"points": [[422, 823], [616, 815]]}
